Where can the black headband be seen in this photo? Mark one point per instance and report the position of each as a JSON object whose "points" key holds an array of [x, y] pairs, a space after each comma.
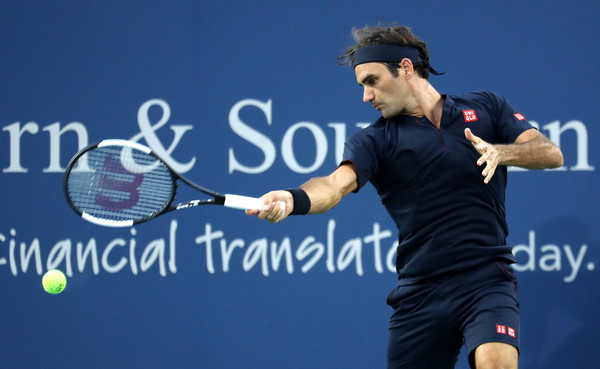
{"points": [[388, 54]]}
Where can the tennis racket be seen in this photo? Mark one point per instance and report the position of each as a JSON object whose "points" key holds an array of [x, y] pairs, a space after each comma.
{"points": [[119, 183]]}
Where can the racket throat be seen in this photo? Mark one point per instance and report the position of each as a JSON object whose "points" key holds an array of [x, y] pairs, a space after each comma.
{"points": [[191, 204]]}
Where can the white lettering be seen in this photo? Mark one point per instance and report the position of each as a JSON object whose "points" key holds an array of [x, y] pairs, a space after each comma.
{"points": [[307, 247], [551, 258], [227, 251], [147, 131], [121, 264], [529, 249], [285, 249], [55, 134], [390, 258], [154, 251], [90, 252], [259, 254], [26, 255], [132, 243], [287, 147], [339, 130], [207, 238], [376, 238], [574, 262], [257, 251], [61, 252], [309, 252], [251, 135], [11, 251], [351, 251], [555, 132], [60, 255], [330, 243], [15, 132]]}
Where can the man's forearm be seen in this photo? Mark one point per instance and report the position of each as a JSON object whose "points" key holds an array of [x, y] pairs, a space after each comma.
{"points": [[322, 195], [539, 153], [326, 192]]}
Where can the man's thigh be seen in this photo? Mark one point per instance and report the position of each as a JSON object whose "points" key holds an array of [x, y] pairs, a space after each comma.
{"points": [[493, 323], [422, 332]]}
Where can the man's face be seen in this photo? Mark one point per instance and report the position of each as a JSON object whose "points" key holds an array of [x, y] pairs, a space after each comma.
{"points": [[385, 92]]}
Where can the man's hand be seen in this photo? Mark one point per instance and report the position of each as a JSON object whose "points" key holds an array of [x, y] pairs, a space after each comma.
{"points": [[489, 155], [323, 192], [278, 205]]}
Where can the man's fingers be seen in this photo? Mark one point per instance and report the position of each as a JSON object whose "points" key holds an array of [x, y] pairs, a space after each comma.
{"points": [[488, 174], [276, 212], [471, 137], [482, 160]]}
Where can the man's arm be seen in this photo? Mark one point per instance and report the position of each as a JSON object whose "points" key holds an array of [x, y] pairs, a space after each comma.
{"points": [[530, 150], [324, 193]]}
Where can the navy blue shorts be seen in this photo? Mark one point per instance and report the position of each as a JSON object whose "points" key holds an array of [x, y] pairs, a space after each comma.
{"points": [[433, 319]]}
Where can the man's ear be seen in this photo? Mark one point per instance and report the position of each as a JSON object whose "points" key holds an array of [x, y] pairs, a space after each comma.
{"points": [[406, 68]]}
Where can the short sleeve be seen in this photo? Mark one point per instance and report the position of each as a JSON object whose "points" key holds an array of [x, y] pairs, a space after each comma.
{"points": [[509, 123], [361, 149]]}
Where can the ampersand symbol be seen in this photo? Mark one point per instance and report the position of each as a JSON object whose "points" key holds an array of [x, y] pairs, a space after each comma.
{"points": [[147, 131]]}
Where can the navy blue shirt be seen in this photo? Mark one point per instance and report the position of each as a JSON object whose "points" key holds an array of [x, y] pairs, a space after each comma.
{"points": [[448, 219]]}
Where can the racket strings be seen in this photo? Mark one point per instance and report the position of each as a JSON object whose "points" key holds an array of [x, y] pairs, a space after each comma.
{"points": [[122, 184]]}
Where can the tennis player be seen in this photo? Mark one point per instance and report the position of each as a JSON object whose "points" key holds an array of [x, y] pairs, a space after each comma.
{"points": [[438, 162]]}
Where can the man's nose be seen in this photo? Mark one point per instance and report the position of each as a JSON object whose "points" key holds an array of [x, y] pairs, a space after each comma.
{"points": [[368, 95]]}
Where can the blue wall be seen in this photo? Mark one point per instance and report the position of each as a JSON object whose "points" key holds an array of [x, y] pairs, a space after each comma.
{"points": [[246, 97]]}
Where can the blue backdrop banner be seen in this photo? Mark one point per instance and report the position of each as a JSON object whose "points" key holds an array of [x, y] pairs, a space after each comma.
{"points": [[245, 97]]}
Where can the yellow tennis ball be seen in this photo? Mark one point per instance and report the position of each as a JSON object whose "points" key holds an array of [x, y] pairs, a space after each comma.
{"points": [[54, 281]]}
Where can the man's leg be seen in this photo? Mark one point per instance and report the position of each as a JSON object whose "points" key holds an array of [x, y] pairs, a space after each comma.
{"points": [[492, 327], [423, 333], [496, 355]]}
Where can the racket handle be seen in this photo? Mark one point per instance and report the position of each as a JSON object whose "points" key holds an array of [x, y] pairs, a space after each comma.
{"points": [[243, 202]]}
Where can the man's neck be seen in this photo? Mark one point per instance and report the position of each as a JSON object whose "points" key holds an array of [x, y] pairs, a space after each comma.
{"points": [[428, 102]]}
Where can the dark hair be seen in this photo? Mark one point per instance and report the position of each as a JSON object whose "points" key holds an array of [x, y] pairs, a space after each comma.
{"points": [[388, 35]]}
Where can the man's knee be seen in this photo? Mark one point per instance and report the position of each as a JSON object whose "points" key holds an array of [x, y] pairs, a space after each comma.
{"points": [[496, 355]]}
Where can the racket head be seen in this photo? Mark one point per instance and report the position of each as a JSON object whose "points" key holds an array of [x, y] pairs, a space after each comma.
{"points": [[118, 183]]}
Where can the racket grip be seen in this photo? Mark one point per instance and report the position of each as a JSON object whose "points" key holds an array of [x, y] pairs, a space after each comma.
{"points": [[243, 202]]}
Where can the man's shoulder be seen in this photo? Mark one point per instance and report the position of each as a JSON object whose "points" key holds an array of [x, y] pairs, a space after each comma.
{"points": [[372, 128], [382, 123], [373, 134], [484, 97], [379, 123]]}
